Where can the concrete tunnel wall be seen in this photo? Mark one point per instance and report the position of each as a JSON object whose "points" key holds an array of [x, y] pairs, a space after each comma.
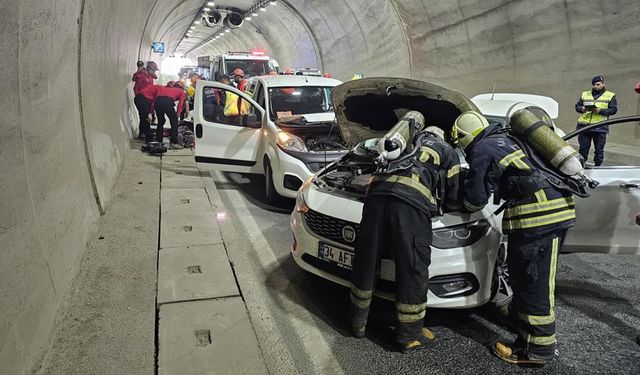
{"points": [[68, 117]]}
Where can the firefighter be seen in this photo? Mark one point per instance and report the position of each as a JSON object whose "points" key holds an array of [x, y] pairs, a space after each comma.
{"points": [[396, 218], [536, 220]]}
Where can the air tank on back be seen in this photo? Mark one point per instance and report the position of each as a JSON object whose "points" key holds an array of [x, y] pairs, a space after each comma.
{"points": [[392, 144], [547, 143]]}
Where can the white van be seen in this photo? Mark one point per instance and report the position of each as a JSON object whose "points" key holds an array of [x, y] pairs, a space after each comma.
{"points": [[286, 131]]}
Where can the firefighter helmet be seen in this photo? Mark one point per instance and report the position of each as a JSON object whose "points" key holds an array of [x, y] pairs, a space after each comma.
{"points": [[238, 72], [467, 126]]}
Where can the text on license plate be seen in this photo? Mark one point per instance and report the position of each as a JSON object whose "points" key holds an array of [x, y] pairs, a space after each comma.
{"points": [[343, 258]]}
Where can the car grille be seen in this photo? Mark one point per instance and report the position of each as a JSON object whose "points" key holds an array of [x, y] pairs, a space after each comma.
{"points": [[329, 227]]}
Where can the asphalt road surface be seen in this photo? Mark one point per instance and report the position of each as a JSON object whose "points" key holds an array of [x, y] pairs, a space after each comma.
{"points": [[300, 319]]}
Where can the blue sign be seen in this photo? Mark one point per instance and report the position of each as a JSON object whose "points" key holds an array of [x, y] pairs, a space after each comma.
{"points": [[157, 47]]}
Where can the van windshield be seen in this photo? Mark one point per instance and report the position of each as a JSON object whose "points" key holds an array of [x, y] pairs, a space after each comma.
{"points": [[291, 101], [251, 68]]}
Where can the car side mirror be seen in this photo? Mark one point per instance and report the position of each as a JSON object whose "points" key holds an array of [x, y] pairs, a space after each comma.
{"points": [[251, 121]]}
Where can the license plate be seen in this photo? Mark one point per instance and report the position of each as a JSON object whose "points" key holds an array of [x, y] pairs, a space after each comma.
{"points": [[342, 258]]}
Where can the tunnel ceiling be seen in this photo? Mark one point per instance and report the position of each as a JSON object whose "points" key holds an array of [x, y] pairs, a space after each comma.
{"points": [[533, 46]]}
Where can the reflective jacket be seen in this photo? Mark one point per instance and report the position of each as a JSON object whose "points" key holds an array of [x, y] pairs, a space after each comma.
{"points": [[234, 105], [429, 183], [603, 99], [495, 161]]}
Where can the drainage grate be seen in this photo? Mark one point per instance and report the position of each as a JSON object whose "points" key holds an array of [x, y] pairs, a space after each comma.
{"points": [[194, 269], [203, 337]]}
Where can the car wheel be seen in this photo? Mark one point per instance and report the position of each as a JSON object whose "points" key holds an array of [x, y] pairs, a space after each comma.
{"points": [[501, 292], [269, 188]]}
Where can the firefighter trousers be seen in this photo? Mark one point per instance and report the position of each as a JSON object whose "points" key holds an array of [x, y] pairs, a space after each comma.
{"points": [[532, 269], [391, 226]]}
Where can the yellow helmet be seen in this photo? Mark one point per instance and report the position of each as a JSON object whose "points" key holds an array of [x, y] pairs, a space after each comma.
{"points": [[467, 126], [435, 131]]}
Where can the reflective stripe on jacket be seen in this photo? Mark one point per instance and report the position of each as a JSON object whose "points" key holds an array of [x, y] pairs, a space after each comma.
{"points": [[492, 158], [431, 182]]}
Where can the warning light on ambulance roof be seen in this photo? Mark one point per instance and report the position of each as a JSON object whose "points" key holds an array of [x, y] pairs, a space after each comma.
{"points": [[257, 52]]}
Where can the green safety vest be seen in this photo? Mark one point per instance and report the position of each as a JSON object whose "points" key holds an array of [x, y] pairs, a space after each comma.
{"points": [[602, 102]]}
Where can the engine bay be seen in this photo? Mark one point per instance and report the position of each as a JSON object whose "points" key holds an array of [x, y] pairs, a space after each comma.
{"points": [[351, 173], [317, 136]]}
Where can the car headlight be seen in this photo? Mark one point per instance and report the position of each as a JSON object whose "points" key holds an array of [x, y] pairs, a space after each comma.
{"points": [[301, 205], [288, 141], [460, 235]]}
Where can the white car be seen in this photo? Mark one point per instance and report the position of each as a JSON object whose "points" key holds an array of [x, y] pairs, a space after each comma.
{"points": [[499, 107], [467, 251], [287, 131]]}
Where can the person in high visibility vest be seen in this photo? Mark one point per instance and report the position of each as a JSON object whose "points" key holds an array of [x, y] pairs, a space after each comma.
{"points": [[234, 105], [595, 105]]}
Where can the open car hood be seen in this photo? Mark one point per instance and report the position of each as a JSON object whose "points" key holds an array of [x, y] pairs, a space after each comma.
{"points": [[368, 108]]}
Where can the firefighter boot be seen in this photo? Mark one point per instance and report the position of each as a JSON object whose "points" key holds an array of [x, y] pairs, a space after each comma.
{"points": [[421, 343], [518, 355], [357, 320]]}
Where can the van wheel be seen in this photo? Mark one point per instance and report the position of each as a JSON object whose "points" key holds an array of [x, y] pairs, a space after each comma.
{"points": [[269, 189]]}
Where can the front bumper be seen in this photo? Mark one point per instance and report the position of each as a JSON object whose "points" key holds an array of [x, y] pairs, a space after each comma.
{"points": [[474, 263]]}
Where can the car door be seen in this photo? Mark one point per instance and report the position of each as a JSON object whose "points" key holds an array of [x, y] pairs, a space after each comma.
{"points": [[606, 221], [226, 141]]}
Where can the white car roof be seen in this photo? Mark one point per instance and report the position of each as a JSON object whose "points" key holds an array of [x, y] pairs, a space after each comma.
{"points": [[297, 81], [505, 104]]}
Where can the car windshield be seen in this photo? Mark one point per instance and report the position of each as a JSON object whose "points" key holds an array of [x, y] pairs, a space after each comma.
{"points": [[291, 101], [250, 68]]}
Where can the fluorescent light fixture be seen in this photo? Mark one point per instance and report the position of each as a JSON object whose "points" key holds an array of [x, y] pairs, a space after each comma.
{"points": [[227, 31], [248, 18], [210, 3], [263, 9], [273, 2], [196, 22], [192, 27], [206, 9], [254, 14]]}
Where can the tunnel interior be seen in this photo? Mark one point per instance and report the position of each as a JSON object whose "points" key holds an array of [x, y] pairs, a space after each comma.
{"points": [[69, 117]]}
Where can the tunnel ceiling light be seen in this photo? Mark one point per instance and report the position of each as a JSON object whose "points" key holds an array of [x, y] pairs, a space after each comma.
{"points": [[255, 14], [263, 9], [248, 18], [227, 31], [206, 9], [210, 3], [273, 2], [196, 22]]}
